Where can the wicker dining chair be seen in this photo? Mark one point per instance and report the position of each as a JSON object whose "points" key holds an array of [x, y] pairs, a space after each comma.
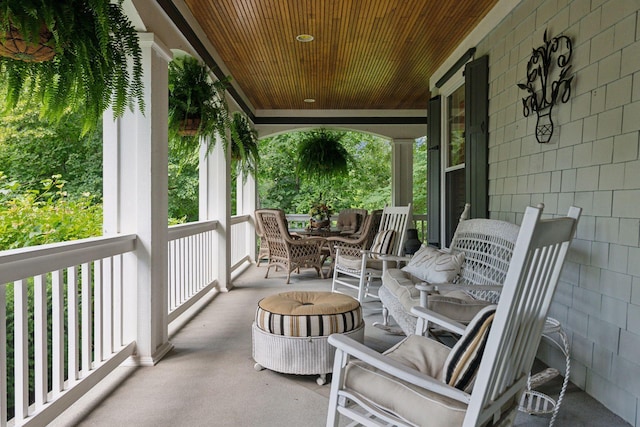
{"points": [[286, 251]]}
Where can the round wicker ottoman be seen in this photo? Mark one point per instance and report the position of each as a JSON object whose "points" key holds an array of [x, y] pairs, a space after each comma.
{"points": [[291, 329]]}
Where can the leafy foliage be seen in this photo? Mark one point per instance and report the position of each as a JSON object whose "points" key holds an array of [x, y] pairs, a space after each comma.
{"points": [[94, 40], [420, 176], [321, 155], [48, 215], [244, 144], [193, 95], [32, 150], [33, 217], [183, 185], [367, 183]]}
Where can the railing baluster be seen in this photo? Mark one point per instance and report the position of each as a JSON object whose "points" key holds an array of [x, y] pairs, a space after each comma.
{"points": [[183, 271], [21, 350], [98, 311], [107, 292], [118, 301], [86, 323], [73, 323], [41, 373], [57, 332]]}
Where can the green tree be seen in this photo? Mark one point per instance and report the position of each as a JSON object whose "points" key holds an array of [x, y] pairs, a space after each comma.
{"points": [[420, 176], [183, 184], [367, 184], [32, 150]]}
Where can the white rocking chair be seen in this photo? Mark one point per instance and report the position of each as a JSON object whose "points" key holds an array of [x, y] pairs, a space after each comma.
{"points": [[421, 382], [358, 271]]}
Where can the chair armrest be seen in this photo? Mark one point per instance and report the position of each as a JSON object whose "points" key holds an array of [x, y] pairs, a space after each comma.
{"points": [[394, 368], [425, 316], [399, 258], [312, 240], [455, 287], [425, 288], [343, 239]]}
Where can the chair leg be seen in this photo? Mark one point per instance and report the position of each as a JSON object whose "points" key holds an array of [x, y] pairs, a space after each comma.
{"points": [[336, 383], [333, 282], [361, 287], [385, 316]]}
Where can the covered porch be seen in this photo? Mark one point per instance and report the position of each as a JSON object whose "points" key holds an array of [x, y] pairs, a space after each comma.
{"points": [[126, 291], [208, 377]]}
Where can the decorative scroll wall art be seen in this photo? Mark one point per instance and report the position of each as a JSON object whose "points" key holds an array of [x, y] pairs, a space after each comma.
{"points": [[547, 81]]}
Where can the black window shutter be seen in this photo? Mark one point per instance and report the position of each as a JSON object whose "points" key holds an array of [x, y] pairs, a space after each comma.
{"points": [[477, 136], [433, 172]]}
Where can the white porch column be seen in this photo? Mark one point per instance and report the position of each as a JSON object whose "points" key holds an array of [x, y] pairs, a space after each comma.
{"points": [[215, 203], [402, 172], [246, 205], [136, 202]]}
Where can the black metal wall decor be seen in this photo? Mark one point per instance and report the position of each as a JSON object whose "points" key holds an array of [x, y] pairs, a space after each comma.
{"points": [[547, 80]]}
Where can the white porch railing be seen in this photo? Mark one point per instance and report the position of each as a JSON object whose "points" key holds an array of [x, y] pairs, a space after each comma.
{"points": [[191, 273], [242, 250], [68, 307], [420, 224]]}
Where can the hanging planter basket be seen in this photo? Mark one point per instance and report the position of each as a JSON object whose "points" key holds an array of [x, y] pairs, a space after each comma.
{"points": [[13, 45], [189, 127], [321, 155]]}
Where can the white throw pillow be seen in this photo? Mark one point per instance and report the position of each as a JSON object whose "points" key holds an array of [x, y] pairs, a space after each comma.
{"points": [[435, 266]]}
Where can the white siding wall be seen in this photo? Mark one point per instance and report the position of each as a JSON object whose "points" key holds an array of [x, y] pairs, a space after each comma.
{"points": [[592, 161]]}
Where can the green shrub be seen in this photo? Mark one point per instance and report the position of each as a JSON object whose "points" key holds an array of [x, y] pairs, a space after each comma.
{"points": [[32, 217]]}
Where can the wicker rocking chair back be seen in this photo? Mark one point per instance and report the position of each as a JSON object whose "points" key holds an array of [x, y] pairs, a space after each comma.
{"points": [[488, 246]]}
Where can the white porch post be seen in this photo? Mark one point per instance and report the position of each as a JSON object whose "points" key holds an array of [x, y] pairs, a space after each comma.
{"points": [[136, 202], [402, 172], [246, 205], [215, 203]]}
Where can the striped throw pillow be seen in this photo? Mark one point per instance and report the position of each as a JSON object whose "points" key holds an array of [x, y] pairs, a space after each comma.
{"points": [[461, 366], [382, 243]]}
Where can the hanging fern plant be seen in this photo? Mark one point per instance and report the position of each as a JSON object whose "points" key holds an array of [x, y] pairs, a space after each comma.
{"points": [[70, 56], [244, 144], [321, 155], [197, 105]]}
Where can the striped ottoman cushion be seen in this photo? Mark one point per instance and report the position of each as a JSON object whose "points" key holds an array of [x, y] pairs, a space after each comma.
{"points": [[308, 314]]}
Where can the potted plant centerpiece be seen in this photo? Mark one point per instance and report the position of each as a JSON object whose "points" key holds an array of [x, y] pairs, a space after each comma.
{"points": [[70, 55], [320, 214], [197, 105], [321, 155]]}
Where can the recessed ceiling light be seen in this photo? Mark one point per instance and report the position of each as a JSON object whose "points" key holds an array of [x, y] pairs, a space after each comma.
{"points": [[310, 100], [304, 38]]}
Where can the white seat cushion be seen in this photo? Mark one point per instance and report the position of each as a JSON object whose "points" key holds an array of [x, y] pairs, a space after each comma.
{"points": [[416, 405], [457, 305]]}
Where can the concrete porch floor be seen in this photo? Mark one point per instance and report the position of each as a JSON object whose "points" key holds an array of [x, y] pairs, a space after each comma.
{"points": [[208, 378]]}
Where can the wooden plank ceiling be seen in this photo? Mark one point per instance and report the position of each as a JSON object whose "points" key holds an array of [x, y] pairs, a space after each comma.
{"points": [[366, 54]]}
